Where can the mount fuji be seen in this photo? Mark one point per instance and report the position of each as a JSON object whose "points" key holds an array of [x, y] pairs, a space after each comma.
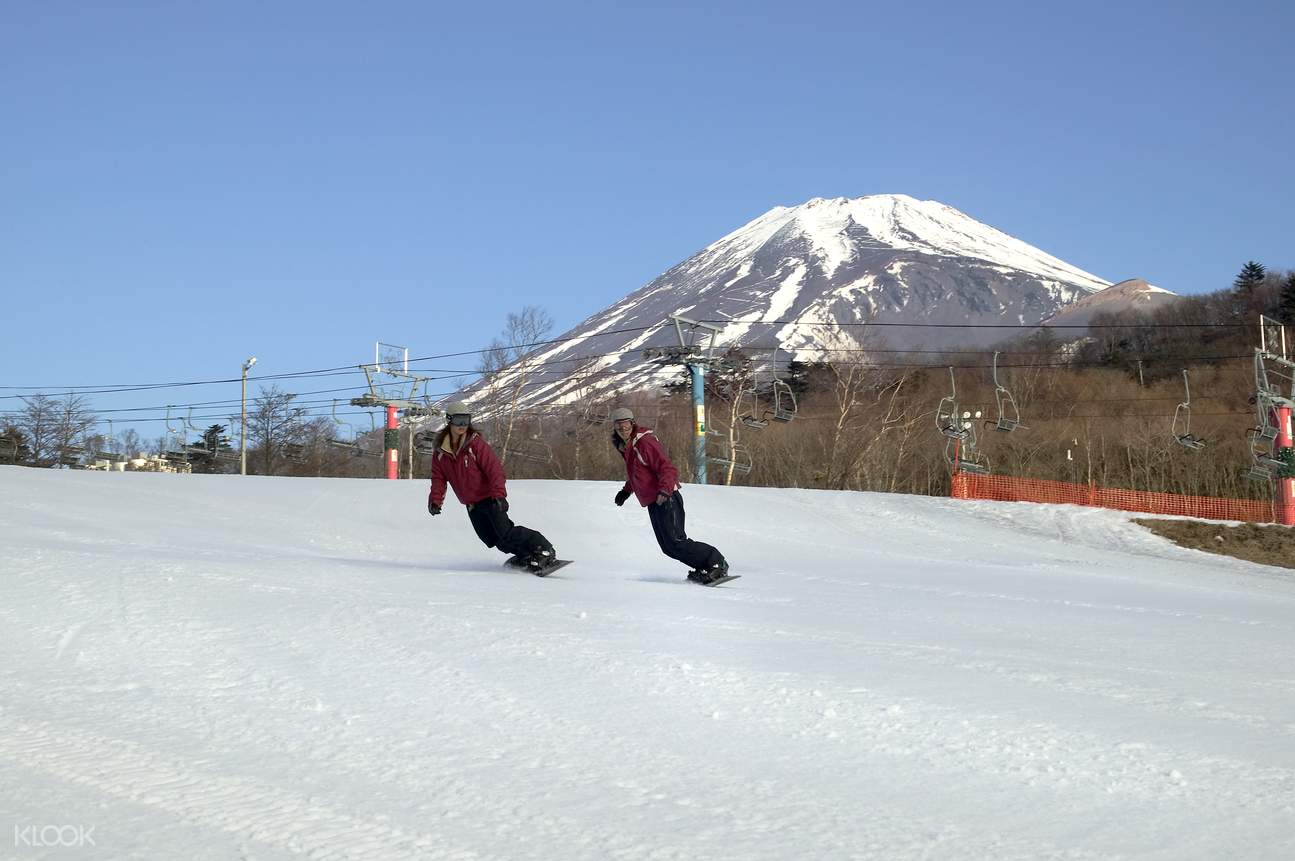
{"points": [[788, 280]]}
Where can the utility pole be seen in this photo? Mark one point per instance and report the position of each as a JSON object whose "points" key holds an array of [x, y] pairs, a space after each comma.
{"points": [[242, 436]]}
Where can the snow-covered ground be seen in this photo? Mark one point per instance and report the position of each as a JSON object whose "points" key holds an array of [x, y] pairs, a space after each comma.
{"points": [[220, 667]]}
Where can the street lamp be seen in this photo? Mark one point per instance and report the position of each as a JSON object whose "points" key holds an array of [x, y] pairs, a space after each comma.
{"points": [[242, 436]]}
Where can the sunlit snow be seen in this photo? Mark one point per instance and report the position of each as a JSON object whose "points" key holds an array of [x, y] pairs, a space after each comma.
{"points": [[221, 667]]}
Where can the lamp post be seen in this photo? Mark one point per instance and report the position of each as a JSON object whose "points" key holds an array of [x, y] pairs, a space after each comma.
{"points": [[242, 436]]}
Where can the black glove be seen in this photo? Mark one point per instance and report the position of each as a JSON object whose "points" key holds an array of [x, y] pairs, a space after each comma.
{"points": [[662, 499], [433, 509], [621, 496]]}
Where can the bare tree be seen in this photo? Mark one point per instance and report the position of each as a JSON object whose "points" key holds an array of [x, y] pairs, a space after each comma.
{"points": [[56, 427], [129, 444], [38, 421], [507, 366], [275, 426]]}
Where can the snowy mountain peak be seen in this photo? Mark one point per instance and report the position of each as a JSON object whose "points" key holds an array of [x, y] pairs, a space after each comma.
{"points": [[837, 227], [792, 276]]}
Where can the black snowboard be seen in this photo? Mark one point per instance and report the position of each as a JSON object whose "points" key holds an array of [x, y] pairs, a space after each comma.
{"points": [[519, 565], [724, 579]]}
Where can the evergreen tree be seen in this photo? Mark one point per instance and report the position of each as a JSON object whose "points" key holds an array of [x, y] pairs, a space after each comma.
{"points": [[1286, 304], [13, 445], [1250, 277], [213, 454]]}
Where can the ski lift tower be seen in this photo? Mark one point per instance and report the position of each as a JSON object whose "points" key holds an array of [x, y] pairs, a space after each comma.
{"points": [[394, 389], [1275, 403], [696, 350]]}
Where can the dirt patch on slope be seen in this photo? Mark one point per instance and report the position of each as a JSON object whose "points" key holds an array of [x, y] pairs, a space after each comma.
{"points": [[1267, 545]]}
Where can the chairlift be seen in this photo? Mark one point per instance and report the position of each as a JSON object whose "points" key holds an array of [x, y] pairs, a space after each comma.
{"points": [[1181, 428], [107, 452], [345, 439], [351, 441], [736, 456], [752, 417], [1264, 462], [947, 420], [962, 453], [960, 449], [1009, 415], [532, 447], [425, 441], [782, 402]]}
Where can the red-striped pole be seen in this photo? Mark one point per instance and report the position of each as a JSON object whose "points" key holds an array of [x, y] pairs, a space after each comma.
{"points": [[1285, 486], [391, 440]]}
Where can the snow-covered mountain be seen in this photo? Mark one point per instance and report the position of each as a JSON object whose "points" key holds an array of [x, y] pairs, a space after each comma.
{"points": [[1131, 295], [885, 259]]}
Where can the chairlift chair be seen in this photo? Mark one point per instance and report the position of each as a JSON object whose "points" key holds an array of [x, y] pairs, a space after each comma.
{"points": [[947, 417], [784, 402], [1009, 415], [1262, 453], [534, 450], [425, 441], [737, 457], [752, 417], [1181, 428], [961, 452]]}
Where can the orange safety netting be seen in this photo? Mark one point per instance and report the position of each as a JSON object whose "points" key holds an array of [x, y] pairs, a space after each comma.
{"points": [[1007, 488]]}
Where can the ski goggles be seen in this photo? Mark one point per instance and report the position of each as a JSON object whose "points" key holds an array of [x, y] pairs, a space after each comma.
{"points": [[461, 420]]}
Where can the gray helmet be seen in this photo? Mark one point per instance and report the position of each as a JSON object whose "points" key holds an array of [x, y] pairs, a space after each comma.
{"points": [[621, 414], [457, 408]]}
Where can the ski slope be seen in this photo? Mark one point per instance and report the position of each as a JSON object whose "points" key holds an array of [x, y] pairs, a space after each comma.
{"points": [[216, 667]]}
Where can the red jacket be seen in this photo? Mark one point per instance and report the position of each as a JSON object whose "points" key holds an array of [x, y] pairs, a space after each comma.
{"points": [[647, 466], [473, 471]]}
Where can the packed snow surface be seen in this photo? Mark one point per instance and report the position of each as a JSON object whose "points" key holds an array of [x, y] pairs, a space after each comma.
{"points": [[199, 667]]}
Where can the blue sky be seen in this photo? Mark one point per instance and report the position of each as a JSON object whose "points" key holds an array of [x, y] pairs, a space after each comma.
{"points": [[184, 185]]}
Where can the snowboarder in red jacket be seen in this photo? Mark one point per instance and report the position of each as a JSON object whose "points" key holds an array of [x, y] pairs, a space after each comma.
{"points": [[654, 481], [464, 460]]}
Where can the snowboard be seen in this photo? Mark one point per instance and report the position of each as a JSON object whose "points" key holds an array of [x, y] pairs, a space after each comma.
{"points": [[518, 565], [724, 579]]}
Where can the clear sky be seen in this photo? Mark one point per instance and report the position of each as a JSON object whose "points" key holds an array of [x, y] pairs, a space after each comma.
{"points": [[185, 185]]}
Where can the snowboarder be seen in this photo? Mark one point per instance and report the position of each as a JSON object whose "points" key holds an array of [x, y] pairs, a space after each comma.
{"points": [[654, 481], [464, 459]]}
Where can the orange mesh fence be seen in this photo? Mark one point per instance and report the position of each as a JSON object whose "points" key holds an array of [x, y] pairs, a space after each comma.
{"points": [[1007, 488]]}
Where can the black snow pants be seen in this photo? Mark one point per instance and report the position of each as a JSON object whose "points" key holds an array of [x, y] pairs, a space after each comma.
{"points": [[667, 523], [496, 529]]}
